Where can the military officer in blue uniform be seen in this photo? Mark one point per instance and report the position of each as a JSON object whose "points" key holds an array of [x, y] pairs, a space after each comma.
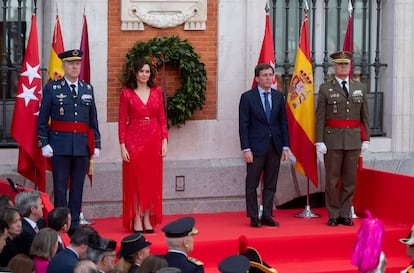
{"points": [[68, 132], [180, 240]]}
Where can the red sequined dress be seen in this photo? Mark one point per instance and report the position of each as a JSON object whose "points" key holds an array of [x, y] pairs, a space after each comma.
{"points": [[141, 128]]}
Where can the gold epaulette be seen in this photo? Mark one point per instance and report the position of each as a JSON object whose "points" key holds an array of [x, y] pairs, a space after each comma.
{"points": [[195, 261]]}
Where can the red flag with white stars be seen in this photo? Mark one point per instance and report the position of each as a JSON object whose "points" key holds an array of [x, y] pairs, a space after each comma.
{"points": [[31, 163], [267, 53]]}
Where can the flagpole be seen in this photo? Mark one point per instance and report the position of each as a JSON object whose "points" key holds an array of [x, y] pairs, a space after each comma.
{"points": [[302, 109]]}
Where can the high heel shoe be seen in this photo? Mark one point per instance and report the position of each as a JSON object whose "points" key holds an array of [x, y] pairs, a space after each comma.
{"points": [[149, 231], [138, 231]]}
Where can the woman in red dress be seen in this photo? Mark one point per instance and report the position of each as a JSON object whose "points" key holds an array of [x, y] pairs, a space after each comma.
{"points": [[143, 138]]}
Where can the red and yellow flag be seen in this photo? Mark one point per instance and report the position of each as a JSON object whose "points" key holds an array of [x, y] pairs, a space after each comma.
{"points": [[301, 111], [55, 70]]}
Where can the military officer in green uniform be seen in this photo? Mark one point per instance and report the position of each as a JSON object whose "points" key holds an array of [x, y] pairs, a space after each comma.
{"points": [[342, 131]]}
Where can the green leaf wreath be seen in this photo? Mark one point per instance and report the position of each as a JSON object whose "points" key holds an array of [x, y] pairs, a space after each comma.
{"points": [[180, 53]]}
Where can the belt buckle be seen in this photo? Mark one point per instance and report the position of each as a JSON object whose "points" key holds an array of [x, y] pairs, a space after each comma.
{"points": [[146, 120]]}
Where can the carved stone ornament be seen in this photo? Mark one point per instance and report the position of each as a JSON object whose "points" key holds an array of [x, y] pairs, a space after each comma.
{"points": [[163, 14]]}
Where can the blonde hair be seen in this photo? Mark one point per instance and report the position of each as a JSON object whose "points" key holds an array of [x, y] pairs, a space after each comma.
{"points": [[44, 243]]}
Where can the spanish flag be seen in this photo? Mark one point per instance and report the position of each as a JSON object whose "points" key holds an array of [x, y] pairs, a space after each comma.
{"points": [[55, 70], [300, 110]]}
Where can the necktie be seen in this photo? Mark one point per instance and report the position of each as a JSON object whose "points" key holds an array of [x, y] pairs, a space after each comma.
{"points": [[73, 86], [344, 88], [36, 229], [267, 106]]}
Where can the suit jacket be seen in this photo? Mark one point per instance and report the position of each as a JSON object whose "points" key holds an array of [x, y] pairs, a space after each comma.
{"points": [[333, 104], [254, 129], [187, 265], [58, 104], [63, 262], [24, 240]]}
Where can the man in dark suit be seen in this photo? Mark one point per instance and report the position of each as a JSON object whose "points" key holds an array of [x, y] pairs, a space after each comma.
{"points": [[342, 132], [66, 260], [264, 140], [59, 219], [31, 206], [72, 137], [180, 240]]}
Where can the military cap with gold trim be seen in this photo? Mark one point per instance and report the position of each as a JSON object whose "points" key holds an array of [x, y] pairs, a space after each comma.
{"points": [[180, 228], [132, 243], [71, 55], [341, 57], [234, 264]]}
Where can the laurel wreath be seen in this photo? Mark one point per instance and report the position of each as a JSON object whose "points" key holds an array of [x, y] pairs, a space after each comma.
{"points": [[179, 53]]}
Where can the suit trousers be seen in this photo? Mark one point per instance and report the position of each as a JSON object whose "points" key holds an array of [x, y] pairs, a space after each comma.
{"points": [[341, 173], [266, 166], [72, 170]]}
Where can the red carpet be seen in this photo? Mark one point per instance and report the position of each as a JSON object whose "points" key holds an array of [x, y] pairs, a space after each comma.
{"points": [[298, 245]]}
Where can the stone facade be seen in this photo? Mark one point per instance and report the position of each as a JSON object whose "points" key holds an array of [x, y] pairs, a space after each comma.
{"points": [[206, 150]]}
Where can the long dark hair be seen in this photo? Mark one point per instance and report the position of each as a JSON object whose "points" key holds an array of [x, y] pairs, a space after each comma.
{"points": [[131, 81]]}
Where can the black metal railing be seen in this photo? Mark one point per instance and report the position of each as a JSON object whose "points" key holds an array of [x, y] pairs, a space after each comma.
{"points": [[334, 14]]}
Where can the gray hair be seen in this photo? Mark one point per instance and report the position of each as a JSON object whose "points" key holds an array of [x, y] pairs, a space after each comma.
{"points": [[26, 200]]}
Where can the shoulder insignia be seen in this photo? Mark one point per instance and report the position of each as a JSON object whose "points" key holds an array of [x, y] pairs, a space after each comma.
{"points": [[62, 82], [195, 261], [81, 82]]}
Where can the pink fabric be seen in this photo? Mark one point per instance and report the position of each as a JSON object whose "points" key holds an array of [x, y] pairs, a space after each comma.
{"points": [[141, 128], [40, 264]]}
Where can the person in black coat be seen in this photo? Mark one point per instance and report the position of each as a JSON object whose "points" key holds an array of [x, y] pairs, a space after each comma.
{"points": [[66, 260], [31, 206], [180, 239], [264, 140]]}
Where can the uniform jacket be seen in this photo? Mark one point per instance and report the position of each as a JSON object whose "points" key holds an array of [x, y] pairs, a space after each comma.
{"points": [[59, 104], [63, 262], [254, 129], [187, 265], [333, 104], [24, 240]]}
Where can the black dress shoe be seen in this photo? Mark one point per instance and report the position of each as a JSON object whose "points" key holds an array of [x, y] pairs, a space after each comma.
{"points": [[254, 222], [268, 221], [332, 222], [345, 221]]}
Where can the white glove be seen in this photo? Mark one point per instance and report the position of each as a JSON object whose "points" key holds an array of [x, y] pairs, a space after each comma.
{"points": [[47, 151], [364, 146], [96, 152], [321, 147]]}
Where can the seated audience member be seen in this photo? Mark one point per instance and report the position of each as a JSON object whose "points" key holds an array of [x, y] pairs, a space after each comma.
{"points": [[257, 265], [101, 251], [152, 263], [3, 234], [59, 219], [21, 263], [409, 242], [31, 206], [66, 260], [367, 254], [234, 264], [85, 266], [180, 240], [134, 249], [13, 218], [6, 201], [43, 248]]}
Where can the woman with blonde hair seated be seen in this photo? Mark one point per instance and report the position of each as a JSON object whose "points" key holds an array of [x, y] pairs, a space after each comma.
{"points": [[43, 248]]}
